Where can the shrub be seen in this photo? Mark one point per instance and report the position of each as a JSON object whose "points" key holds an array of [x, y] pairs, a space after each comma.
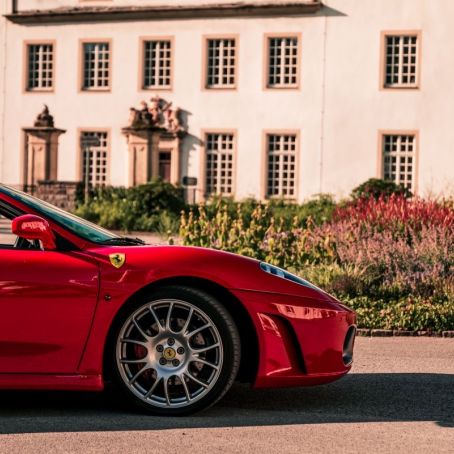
{"points": [[150, 207], [318, 209], [397, 213], [375, 187], [266, 231], [404, 314], [400, 246]]}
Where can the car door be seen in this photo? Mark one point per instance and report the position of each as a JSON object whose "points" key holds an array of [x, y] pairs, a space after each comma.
{"points": [[47, 304]]}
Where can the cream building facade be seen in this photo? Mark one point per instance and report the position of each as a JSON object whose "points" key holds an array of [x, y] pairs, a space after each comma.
{"points": [[255, 98]]}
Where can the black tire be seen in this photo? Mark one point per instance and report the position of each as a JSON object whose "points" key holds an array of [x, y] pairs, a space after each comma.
{"points": [[229, 353]]}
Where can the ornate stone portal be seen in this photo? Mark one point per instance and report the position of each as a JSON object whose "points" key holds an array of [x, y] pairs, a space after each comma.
{"points": [[154, 134], [41, 150]]}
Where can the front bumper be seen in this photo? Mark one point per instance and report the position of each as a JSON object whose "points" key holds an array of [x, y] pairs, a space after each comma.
{"points": [[302, 341]]}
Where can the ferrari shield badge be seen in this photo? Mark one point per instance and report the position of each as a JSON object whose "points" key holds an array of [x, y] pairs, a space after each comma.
{"points": [[117, 260]]}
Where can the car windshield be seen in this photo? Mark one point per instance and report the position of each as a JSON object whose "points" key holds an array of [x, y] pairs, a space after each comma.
{"points": [[75, 224]]}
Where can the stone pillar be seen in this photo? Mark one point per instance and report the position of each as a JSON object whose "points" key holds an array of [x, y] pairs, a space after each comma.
{"points": [[41, 155], [41, 150]]}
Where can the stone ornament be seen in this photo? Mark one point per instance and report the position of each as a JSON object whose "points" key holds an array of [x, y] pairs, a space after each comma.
{"points": [[157, 114], [44, 119]]}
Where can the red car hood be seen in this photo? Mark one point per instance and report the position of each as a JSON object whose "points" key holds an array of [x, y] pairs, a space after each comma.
{"points": [[151, 263]]}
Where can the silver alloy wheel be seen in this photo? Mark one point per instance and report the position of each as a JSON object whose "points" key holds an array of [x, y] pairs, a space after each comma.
{"points": [[169, 353]]}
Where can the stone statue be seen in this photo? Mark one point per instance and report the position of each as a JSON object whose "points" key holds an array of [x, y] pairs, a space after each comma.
{"points": [[134, 117], [173, 123], [158, 114], [155, 109], [140, 118], [44, 119], [145, 116], [158, 108]]}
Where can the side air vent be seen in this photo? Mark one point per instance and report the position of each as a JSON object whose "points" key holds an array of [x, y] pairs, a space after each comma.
{"points": [[347, 354], [276, 271]]}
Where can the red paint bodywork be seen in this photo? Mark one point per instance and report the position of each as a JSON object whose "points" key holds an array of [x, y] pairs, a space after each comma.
{"points": [[55, 318]]}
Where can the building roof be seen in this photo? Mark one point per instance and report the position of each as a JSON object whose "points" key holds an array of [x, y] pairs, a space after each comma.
{"points": [[160, 12]]}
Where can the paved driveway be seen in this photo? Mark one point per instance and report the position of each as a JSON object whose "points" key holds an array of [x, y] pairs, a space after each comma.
{"points": [[399, 398]]}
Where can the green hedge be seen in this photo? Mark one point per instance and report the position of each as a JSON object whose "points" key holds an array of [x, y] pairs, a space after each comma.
{"points": [[375, 187], [155, 207], [405, 314]]}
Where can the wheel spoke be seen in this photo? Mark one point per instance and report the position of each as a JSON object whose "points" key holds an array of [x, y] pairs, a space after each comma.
{"points": [[185, 386], [138, 374], [133, 341], [202, 361], [156, 319], [205, 349], [133, 361], [169, 314], [194, 332], [188, 320], [141, 331], [150, 391], [196, 380], [166, 389]]}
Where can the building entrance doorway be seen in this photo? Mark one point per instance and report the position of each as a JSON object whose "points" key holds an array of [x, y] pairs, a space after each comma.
{"points": [[165, 165]]}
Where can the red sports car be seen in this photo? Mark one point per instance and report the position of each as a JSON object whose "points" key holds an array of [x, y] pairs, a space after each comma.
{"points": [[171, 326]]}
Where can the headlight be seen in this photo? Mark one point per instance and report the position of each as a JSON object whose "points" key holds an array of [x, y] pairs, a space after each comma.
{"points": [[279, 272]]}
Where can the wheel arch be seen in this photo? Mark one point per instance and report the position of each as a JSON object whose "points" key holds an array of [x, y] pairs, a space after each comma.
{"points": [[249, 343]]}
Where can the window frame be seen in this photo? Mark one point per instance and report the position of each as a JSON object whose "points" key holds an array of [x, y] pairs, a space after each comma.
{"points": [[203, 161], [380, 154], [382, 67], [266, 61], [26, 59], [205, 66], [80, 158], [265, 162], [82, 42], [141, 77]]}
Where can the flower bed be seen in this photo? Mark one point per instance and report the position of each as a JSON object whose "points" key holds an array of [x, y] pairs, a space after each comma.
{"points": [[390, 258]]}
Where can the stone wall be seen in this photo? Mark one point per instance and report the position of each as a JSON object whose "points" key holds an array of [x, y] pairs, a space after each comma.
{"points": [[62, 194]]}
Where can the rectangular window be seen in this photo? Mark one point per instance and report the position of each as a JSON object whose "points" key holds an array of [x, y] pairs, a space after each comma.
{"points": [[157, 65], [95, 154], [282, 63], [281, 171], [219, 163], [401, 61], [96, 66], [221, 63], [399, 159], [40, 69]]}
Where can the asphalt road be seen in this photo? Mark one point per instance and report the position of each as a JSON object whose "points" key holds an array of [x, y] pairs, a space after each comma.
{"points": [[398, 398]]}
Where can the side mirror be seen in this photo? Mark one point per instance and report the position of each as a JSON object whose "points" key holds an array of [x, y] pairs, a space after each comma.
{"points": [[33, 227]]}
